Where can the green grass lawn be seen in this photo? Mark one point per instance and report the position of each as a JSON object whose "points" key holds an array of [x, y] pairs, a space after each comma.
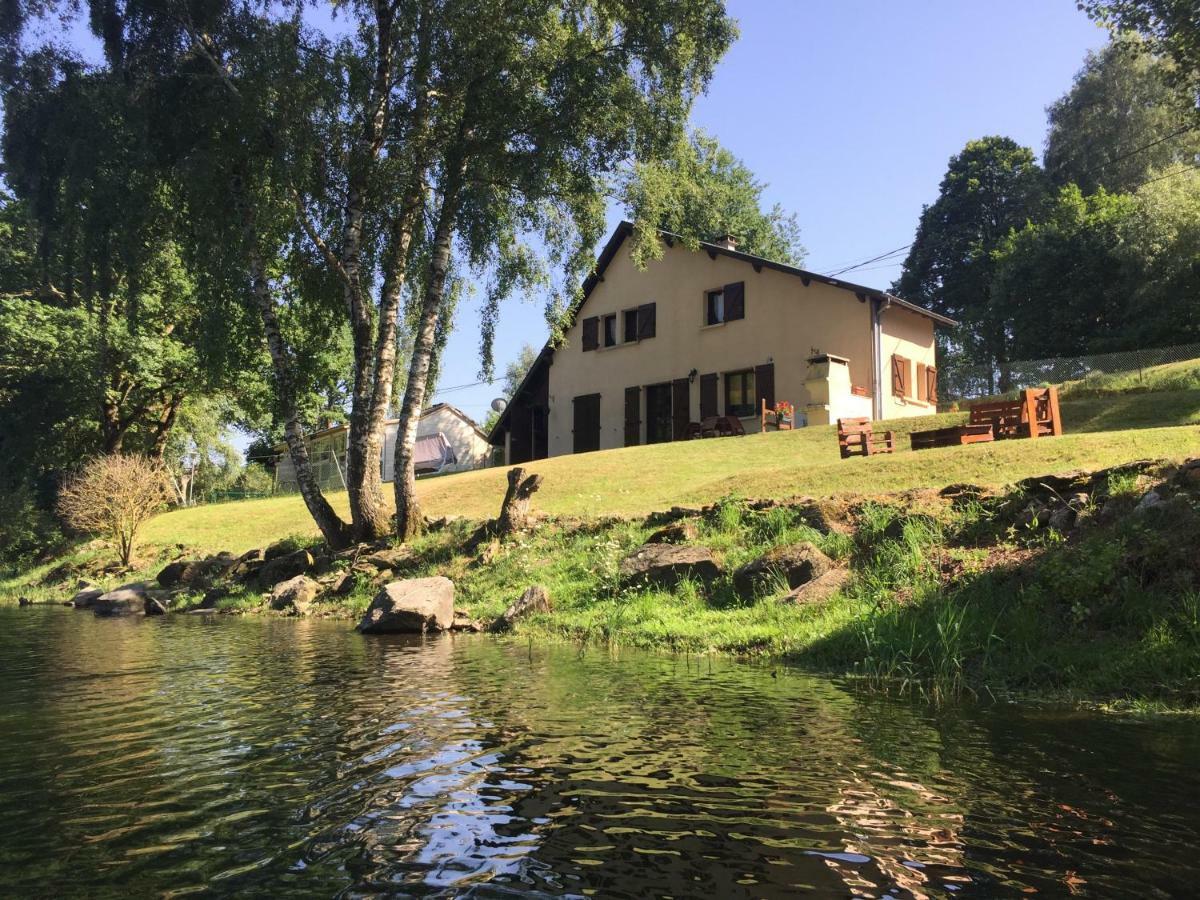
{"points": [[1101, 431]]}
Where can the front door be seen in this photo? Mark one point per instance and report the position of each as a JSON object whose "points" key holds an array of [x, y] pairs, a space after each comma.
{"points": [[658, 413], [587, 423]]}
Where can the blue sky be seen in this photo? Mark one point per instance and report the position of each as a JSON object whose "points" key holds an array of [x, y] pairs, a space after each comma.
{"points": [[850, 111]]}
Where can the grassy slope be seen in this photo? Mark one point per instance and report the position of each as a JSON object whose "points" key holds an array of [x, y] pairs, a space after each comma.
{"points": [[639, 480]]}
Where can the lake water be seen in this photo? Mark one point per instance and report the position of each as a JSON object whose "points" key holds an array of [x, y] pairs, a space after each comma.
{"points": [[163, 757]]}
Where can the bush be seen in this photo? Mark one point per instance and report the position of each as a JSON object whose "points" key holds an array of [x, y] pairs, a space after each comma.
{"points": [[115, 496]]}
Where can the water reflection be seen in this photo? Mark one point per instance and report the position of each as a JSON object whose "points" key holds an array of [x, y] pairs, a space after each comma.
{"points": [[295, 757]]}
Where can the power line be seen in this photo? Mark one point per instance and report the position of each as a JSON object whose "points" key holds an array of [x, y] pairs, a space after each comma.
{"points": [[866, 262]]}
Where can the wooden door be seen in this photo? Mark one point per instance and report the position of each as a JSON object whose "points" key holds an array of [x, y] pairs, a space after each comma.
{"points": [[658, 413], [586, 433]]}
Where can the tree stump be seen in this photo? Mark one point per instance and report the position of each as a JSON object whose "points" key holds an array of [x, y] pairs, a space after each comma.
{"points": [[514, 512]]}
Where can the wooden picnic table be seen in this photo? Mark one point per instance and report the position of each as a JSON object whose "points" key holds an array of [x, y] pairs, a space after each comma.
{"points": [[954, 436]]}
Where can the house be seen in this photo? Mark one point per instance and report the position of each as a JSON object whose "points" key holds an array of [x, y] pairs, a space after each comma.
{"points": [[448, 440], [716, 332]]}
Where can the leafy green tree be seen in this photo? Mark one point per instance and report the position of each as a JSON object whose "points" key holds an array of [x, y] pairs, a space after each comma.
{"points": [[529, 152], [1123, 117], [1172, 28], [515, 371], [991, 188], [702, 192], [1063, 280]]}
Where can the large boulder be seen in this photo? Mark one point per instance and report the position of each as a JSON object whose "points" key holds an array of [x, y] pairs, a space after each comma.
{"points": [[798, 564], [391, 558], [296, 595], [172, 573], [282, 568], [196, 573], [124, 600], [820, 588], [86, 596], [535, 600], [681, 532], [154, 606], [665, 565], [411, 606]]}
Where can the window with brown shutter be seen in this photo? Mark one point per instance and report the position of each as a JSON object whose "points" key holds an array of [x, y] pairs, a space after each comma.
{"points": [[901, 376], [735, 301], [922, 382], [646, 321], [931, 384], [591, 333]]}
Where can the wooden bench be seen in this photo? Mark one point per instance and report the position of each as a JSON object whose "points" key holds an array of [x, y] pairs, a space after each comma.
{"points": [[1035, 414], [856, 437]]}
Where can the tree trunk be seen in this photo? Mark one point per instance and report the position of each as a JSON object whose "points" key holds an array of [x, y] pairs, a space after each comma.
{"points": [[166, 421], [364, 481], [408, 510], [332, 528], [514, 511]]}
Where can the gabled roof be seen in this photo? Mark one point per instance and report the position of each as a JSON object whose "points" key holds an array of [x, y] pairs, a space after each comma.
{"points": [[625, 229]]}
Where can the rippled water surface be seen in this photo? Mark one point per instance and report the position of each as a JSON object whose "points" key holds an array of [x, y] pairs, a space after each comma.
{"points": [[161, 757]]}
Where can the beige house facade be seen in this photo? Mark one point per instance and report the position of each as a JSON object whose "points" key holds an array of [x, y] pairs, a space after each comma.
{"points": [[716, 332]]}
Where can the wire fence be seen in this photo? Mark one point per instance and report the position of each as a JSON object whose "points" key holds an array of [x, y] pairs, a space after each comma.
{"points": [[1158, 369]]}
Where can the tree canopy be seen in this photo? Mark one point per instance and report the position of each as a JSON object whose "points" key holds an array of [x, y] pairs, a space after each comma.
{"points": [[702, 192], [1124, 116]]}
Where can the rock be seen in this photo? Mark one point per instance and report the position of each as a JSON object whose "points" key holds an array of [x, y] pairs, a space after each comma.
{"points": [[677, 533], [283, 568], [487, 553], [1149, 501], [121, 601], [24, 601], [172, 573], [464, 622], [393, 558], [412, 606], [1079, 500], [820, 588], [1063, 519], [1034, 515], [379, 579], [278, 549], [1189, 473], [296, 595], [256, 555], [1061, 483], [535, 600], [85, 598], [665, 565], [797, 563], [211, 597], [342, 583], [152, 606], [674, 514]]}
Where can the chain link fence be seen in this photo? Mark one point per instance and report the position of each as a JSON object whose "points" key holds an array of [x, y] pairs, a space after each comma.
{"points": [[1159, 369]]}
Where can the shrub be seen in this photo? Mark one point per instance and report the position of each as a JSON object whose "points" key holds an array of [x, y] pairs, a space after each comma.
{"points": [[114, 496]]}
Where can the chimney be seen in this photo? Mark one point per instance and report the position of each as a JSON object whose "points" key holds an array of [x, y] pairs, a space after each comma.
{"points": [[727, 241]]}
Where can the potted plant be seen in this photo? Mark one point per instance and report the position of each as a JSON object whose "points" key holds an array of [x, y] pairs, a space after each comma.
{"points": [[784, 413]]}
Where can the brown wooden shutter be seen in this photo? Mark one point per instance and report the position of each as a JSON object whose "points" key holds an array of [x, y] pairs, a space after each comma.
{"points": [[646, 321], [764, 386], [633, 416], [931, 384], [922, 382], [708, 395], [681, 408], [900, 376], [735, 301], [591, 333]]}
